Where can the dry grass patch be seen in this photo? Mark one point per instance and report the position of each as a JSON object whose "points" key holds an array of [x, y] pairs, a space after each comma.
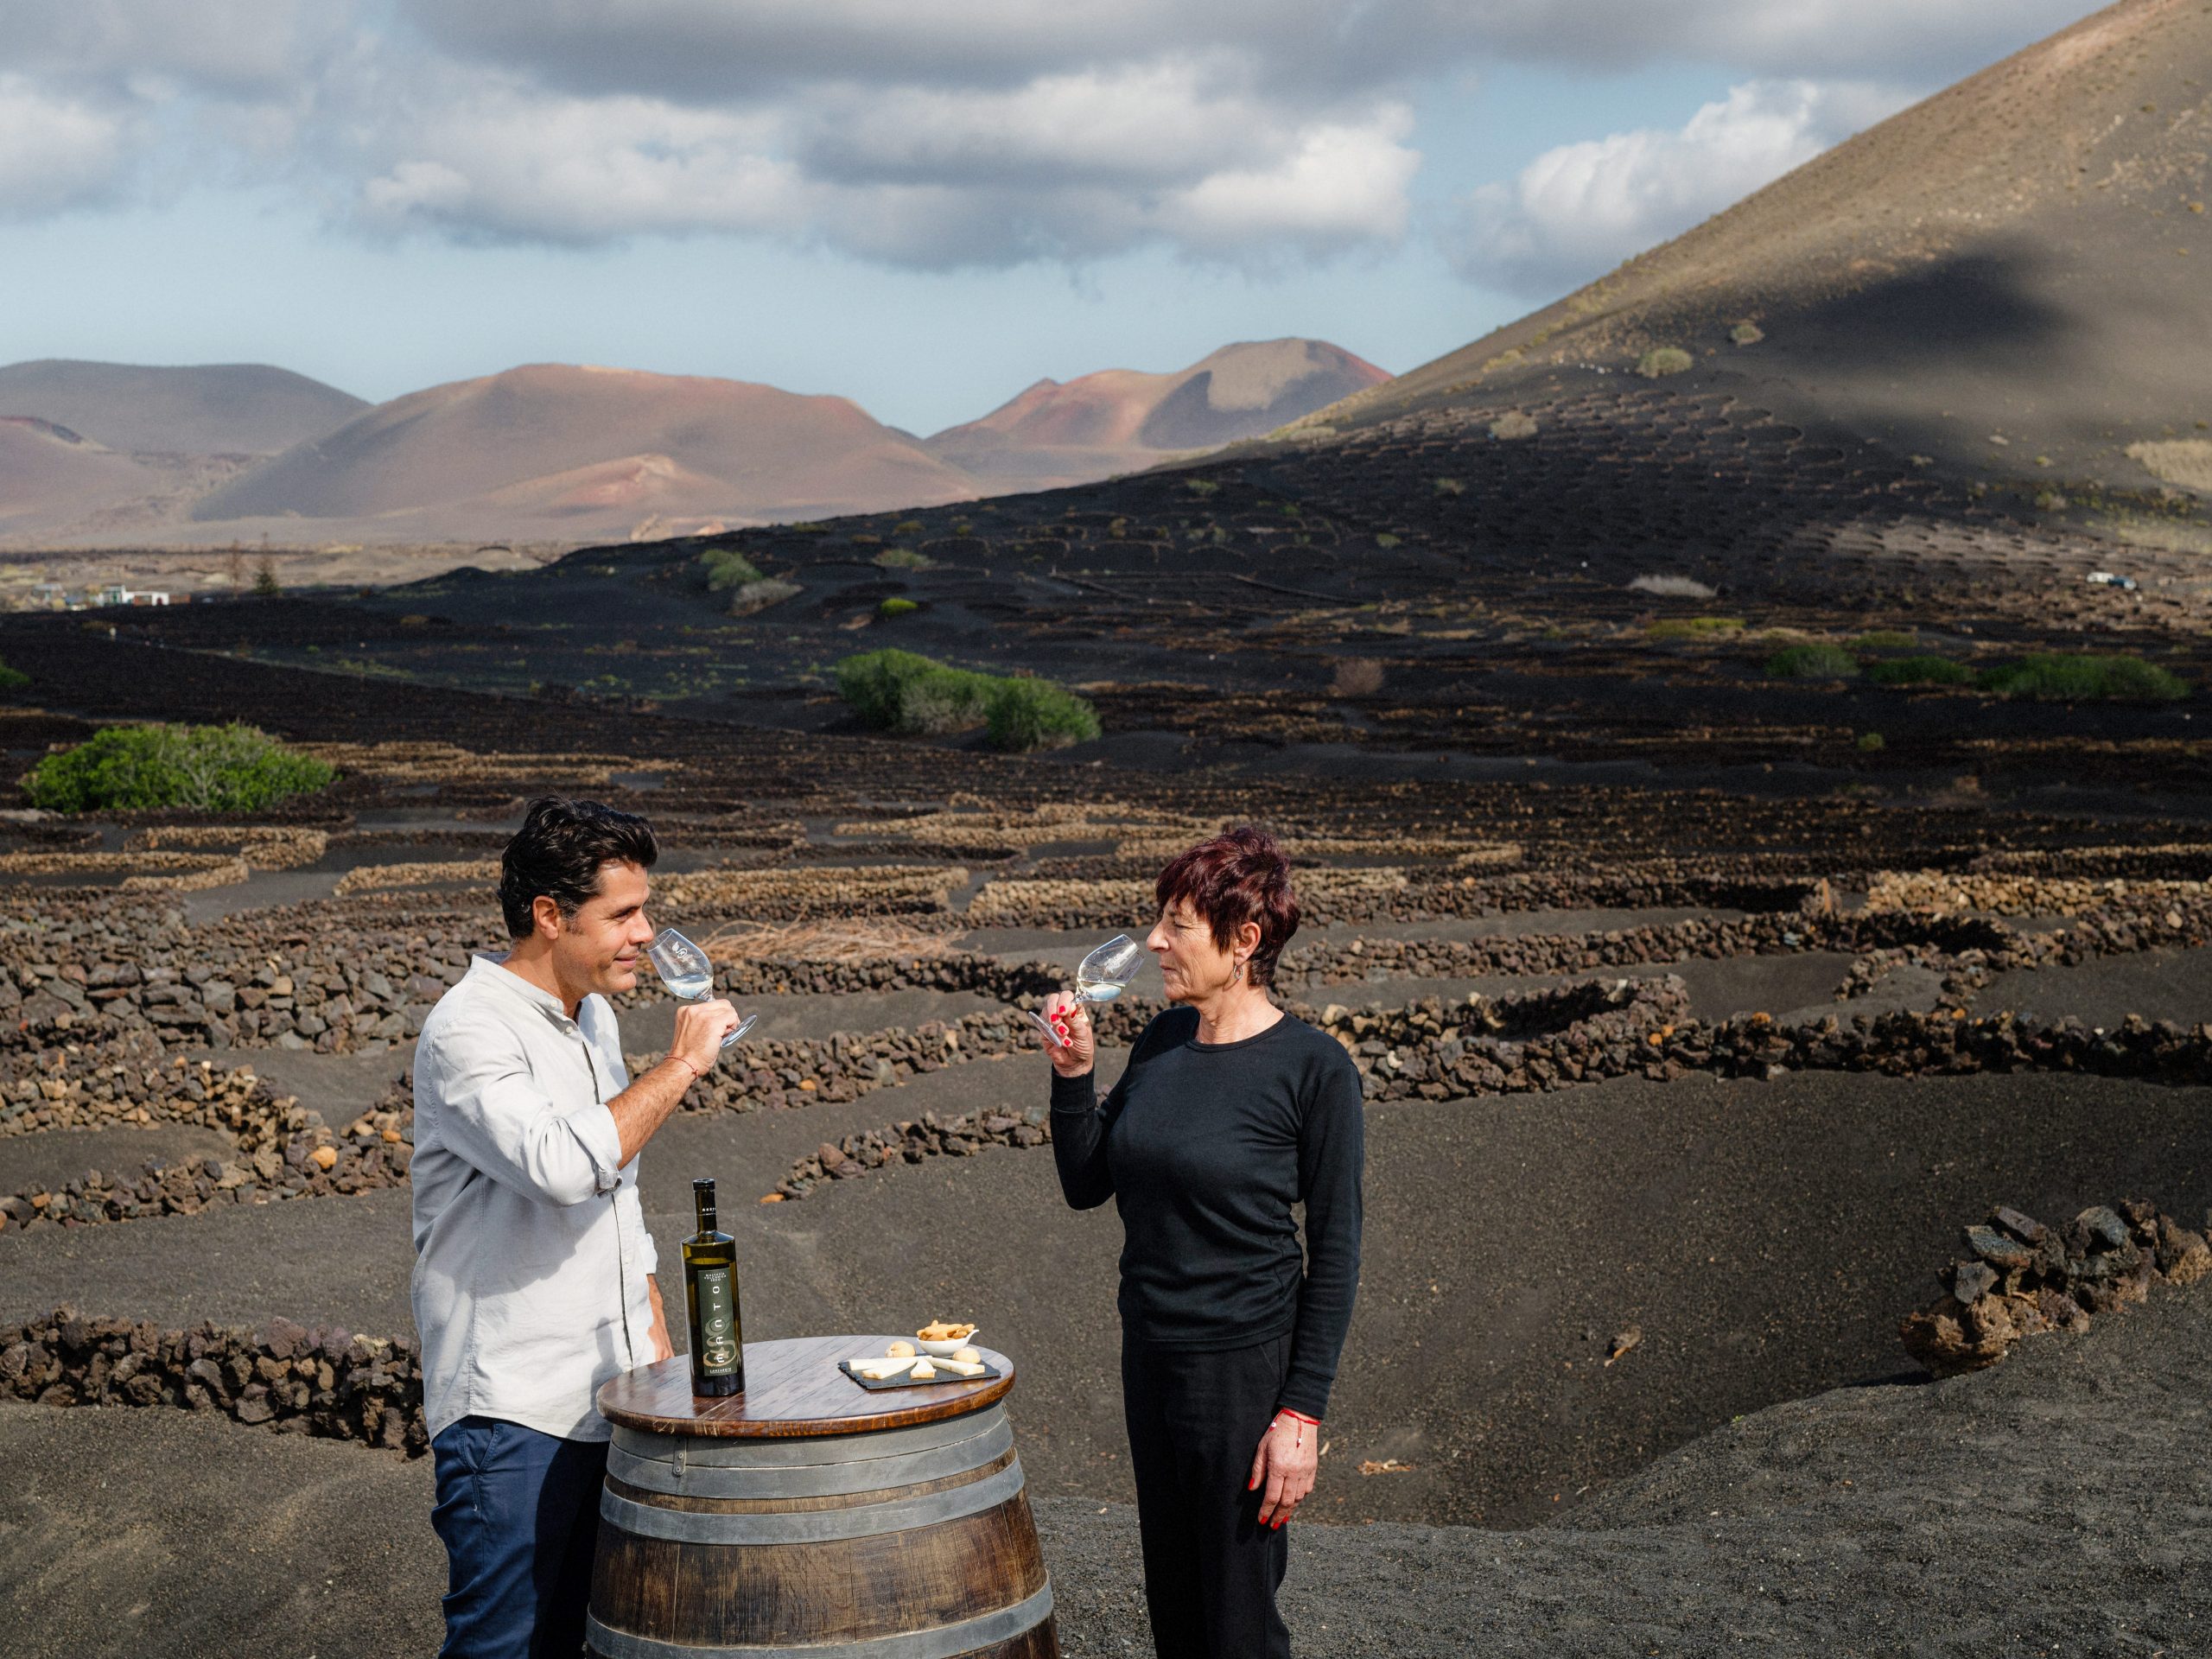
{"points": [[1938, 892], [263, 846], [816, 894], [370, 878], [147, 871], [444, 763], [965, 831], [833, 944], [2186, 462]]}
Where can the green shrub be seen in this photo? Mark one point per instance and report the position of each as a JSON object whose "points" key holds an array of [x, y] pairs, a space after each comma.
{"points": [[1812, 663], [904, 558], [874, 684], [1919, 670], [728, 567], [1870, 742], [1747, 333], [2086, 676], [1450, 486], [903, 691], [1201, 487], [1663, 360], [908, 527], [1037, 715], [891, 607], [1694, 627], [235, 768], [13, 679], [1884, 639]]}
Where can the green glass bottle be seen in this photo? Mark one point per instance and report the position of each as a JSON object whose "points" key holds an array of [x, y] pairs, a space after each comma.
{"points": [[710, 1302]]}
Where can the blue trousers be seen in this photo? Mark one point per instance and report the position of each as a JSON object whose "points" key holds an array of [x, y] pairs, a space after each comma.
{"points": [[519, 1512]]}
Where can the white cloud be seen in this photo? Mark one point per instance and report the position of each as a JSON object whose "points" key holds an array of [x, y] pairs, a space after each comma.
{"points": [[517, 164], [1338, 186], [955, 132], [160, 47], [1577, 210], [56, 151], [702, 50], [1070, 169]]}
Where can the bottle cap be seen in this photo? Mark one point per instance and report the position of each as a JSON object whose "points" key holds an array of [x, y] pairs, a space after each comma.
{"points": [[704, 1184]]}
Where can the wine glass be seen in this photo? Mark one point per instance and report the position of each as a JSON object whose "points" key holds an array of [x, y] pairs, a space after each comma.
{"points": [[1099, 977], [685, 970]]}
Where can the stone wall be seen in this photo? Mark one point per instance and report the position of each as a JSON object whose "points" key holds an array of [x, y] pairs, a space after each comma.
{"points": [[296, 1379], [2019, 1278]]}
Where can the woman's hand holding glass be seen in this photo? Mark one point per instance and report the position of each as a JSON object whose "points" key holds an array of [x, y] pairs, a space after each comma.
{"points": [[1069, 1016]]}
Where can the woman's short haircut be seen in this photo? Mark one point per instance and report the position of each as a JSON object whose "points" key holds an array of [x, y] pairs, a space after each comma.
{"points": [[558, 851], [1237, 877]]}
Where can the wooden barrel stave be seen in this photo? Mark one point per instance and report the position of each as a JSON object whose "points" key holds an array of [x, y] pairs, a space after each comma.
{"points": [[912, 1543]]}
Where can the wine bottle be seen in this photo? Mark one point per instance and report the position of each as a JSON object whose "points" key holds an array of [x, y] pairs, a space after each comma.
{"points": [[710, 1301]]}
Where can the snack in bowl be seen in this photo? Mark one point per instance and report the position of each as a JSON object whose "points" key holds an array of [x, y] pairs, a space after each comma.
{"points": [[942, 1339]]}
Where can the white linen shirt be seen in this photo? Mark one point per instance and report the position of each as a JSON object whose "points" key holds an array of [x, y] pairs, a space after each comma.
{"points": [[531, 1248]]}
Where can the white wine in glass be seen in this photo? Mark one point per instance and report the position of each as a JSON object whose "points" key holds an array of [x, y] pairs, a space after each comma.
{"points": [[688, 973], [1099, 977]]}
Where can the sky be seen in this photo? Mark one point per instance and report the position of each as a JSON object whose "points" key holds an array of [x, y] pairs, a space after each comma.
{"points": [[922, 205]]}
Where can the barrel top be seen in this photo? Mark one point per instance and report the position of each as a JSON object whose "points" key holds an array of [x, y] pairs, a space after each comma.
{"points": [[792, 1388]]}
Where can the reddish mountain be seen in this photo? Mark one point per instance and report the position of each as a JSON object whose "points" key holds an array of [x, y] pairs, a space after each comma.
{"points": [[1122, 421], [553, 451], [217, 408], [51, 476]]}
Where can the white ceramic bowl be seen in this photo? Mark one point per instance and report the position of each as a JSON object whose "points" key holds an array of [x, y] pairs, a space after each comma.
{"points": [[945, 1349]]}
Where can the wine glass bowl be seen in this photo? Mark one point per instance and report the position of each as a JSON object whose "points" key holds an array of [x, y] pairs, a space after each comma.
{"points": [[1105, 972], [689, 973], [1099, 977]]}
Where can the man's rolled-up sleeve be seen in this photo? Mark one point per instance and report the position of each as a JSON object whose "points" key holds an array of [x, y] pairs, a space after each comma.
{"points": [[499, 1119]]}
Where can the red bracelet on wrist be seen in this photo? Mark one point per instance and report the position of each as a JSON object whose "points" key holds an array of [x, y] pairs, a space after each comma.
{"points": [[695, 1072], [1285, 1411]]}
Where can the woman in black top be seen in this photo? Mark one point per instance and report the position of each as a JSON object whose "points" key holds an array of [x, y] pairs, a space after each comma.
{"points": [[1230, 1112]]}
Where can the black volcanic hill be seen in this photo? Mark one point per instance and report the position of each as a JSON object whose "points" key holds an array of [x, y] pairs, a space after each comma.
{"points": [[220, 409], [2013, 279]]}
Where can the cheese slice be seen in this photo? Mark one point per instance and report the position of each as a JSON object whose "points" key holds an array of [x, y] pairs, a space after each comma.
{"points": [[960, 1367], [878, 1370], [925, 1368]]}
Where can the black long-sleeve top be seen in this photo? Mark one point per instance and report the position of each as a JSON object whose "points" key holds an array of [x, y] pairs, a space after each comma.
{"points": [[1204, 1147]]}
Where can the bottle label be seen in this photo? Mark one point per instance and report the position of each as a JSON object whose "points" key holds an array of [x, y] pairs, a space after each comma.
{"points": [[717, 1322]]}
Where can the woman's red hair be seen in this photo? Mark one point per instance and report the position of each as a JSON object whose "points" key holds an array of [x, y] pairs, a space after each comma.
{"points": [[1239, 876]]}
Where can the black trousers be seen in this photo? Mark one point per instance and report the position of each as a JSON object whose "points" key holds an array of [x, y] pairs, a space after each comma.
{"points": [[1210, 1572]]}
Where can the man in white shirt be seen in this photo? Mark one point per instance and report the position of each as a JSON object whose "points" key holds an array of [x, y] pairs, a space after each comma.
{"points": [[533, 1270]]}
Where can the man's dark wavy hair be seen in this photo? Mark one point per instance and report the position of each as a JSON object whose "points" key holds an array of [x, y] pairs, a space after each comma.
{"points": [[557, 852]]}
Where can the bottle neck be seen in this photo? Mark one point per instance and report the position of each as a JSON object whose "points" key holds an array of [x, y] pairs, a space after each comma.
{"points": [[704, 1203]]}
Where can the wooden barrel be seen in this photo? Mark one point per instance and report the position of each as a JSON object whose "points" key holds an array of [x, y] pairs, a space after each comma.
{"points": [[807, 1512]]}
